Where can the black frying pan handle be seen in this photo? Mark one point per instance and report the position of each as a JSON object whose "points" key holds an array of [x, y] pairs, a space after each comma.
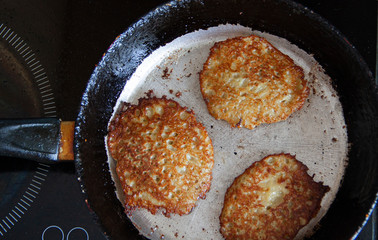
{"points": [[34, 139]]}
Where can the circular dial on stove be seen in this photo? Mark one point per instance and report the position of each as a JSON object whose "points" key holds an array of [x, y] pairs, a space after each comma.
{"points": [[25, 92]]}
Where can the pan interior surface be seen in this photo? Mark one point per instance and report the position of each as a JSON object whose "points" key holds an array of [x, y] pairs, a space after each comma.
{"points": [[350, 76], [316, 134]]}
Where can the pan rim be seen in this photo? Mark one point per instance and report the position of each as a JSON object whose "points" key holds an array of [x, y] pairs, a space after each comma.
{"points": [[80, 121]]}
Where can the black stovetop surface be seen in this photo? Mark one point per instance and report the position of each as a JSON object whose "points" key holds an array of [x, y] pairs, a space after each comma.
{"points": [[67, 39]]}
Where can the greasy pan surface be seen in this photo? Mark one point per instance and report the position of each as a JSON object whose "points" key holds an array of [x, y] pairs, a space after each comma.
{"points": [[342, 63]]}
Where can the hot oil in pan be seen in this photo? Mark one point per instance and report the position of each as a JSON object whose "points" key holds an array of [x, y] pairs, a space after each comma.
{"points": [[316, 134], [24, 92]]}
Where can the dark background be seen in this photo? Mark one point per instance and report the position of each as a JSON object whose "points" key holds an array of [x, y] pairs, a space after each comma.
{"points": [[71, 36]]}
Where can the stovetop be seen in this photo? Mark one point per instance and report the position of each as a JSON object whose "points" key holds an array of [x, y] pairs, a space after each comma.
{"points": [[60, 42]]}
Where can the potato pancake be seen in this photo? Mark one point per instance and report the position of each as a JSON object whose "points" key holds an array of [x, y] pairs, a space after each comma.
{"points": [[164, 156], [273, 199], [246, 81]]}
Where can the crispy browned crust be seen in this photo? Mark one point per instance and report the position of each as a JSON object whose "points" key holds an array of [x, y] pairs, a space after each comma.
{"points": [[273, 199], [247, 81], [164, 156]]}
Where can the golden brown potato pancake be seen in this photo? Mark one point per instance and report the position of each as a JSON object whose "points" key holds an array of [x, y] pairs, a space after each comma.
{"points": [[273, 199], [164, 156], [246, 81]]}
